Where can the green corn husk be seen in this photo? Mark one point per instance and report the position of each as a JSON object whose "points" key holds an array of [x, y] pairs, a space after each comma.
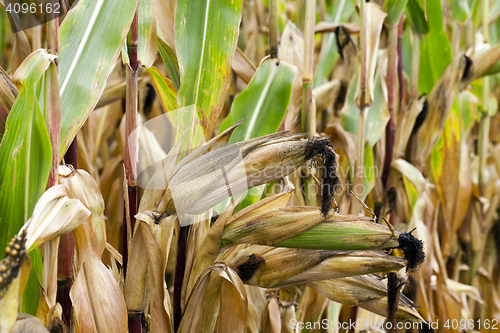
{"points": [[305, 228], [348, 235]]}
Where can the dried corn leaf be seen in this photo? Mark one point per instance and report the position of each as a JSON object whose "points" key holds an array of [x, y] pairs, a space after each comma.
{"points": [[292, 51], [160, 318], [8, 94], [243, 66], [207, 291], [97, 299], [271, 318], [323, 27], [233, 304], [439, 102], [405, 126], [209, 248], [27, 323], [374, 18], [96, 296], [21, 51]]}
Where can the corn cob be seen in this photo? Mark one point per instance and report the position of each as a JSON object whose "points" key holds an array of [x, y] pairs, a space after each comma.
{"points": [[305, 228], [207, 176], [367, 292], [14, 272], [15, 254], [267, 267]]}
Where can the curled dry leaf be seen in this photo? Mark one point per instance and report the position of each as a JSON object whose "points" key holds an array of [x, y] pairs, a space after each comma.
{"points": [[21, 51], [218, 288], [243, 66], [55, 214], [209, 248], [165, 22], [160, 317], [439, 102], [292, 51], [374, 22], [406, 125], [8, 94]]}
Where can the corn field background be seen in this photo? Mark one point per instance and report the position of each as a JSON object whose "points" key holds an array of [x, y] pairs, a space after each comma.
{"points": [[255, 166]]}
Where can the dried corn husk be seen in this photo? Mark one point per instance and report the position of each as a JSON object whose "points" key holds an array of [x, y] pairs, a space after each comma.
{"points": [[216, 171], [267, 267], [55, 214], [221, 292], [368, 292]]}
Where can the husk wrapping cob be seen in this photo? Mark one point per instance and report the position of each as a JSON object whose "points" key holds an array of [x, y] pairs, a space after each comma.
{"points": [[216, 171]]}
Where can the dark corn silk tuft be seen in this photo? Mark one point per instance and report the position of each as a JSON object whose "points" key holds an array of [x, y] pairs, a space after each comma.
{"points": [[468, 68], [323, 148], [413, 249], [149, 99], [394, 285], [392, 196], [421, 117], [339, 102], [247, 269], [342, 39]]}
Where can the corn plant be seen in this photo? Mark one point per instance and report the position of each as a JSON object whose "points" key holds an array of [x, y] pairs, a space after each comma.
{"points": [[249, 166]]}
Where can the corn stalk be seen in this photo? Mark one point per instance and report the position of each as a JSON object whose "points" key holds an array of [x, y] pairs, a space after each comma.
{"points": [[134, 318]]}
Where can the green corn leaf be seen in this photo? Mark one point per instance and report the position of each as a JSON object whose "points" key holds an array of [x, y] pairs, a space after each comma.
{"points": [[90, 40], [170, 60], [435, 49], [416, 18], [460, 10], [263, 103], [394, 9], [146, 47], [205, 38], [25, 159], [164, 88]]}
